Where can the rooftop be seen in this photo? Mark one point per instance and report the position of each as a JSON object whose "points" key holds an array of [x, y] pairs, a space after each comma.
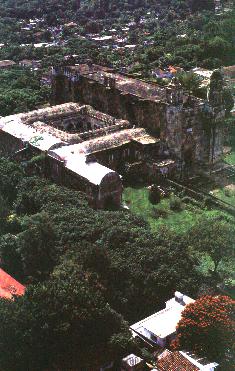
{"points": [[26, 133], [116, 139], [175, 361], [75, 161], [164, 322], [9, 286], [6, 63], [125, 84]]}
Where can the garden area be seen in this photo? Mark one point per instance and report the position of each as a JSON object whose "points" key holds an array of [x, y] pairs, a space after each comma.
{"points": [[226, 193], [182, 215], [170, 211]]}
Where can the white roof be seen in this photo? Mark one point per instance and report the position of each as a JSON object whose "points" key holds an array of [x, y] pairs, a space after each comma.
{"points": [[27, 133], [102, 38], [202, 72], [75, 161], [163, 323], [130, 46]]}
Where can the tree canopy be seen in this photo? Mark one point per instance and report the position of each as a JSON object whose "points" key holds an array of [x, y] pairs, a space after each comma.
{"points": [[207, 327]]}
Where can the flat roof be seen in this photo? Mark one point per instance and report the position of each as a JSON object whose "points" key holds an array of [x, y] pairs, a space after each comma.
{"points": [[164, 322], [26, 133]]}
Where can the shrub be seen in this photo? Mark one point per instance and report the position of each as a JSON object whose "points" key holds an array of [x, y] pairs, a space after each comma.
{"points": [[189, 200], [175, 203], [208, 202], [154, 195], [160, 212]]}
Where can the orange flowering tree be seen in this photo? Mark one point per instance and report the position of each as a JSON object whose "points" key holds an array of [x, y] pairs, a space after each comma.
{"points": [[207, 327]]}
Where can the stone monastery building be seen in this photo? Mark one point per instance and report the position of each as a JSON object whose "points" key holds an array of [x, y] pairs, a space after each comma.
{"points": [[103, 124]]}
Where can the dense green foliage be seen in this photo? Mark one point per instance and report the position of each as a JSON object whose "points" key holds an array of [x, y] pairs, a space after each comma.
{"points": [[83, 269], [88, 272], [172, 33], [20, 91]]}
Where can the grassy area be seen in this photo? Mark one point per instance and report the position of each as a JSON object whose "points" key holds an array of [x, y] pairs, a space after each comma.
{"points": [[161, 214], [158, 215], [226, 194], [230, 158]]}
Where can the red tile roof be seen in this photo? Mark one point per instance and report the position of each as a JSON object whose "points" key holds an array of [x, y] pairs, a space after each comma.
{"points": [[9, 286], [174, 361]]}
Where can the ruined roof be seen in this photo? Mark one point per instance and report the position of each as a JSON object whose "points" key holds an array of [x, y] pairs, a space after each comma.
{"points": [[64, 136], [146, 139], [125, 84], [85, 68], [49, 113], [9, 286], [128, 85], [113, 140]]}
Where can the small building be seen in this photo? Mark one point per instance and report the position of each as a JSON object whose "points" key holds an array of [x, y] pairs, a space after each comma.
{"points": [[175, 361], [6, 64], [9, 286], [132, 363], [160, 328], [28, 63], [102, 40]]}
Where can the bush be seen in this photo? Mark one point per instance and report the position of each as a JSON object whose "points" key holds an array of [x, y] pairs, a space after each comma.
{"points": [[190, 201], [154, 195], [208, 202], [160, 212], [176, 203]]}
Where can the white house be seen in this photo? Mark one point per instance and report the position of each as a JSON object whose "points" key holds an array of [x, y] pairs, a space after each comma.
{"points": [[160, 328]]}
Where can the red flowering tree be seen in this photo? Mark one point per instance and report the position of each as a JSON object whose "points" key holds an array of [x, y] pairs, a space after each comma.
{"points": [[207, 327]]}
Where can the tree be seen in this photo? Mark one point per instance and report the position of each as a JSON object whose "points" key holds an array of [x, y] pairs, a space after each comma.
{"points": [[63, 324], [11, 174], [207, 327], [199, 5], [189, 81], [37, 246], [213, 234]]}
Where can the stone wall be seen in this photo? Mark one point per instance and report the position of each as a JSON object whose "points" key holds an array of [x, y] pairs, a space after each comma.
{"points": [[189, 127]]}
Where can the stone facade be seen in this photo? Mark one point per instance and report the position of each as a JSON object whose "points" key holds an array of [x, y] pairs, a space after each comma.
{"points": [[189, 128], [65, 157]]}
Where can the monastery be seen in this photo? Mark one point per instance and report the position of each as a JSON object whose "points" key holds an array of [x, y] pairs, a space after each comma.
{"points": [[103, 125]]}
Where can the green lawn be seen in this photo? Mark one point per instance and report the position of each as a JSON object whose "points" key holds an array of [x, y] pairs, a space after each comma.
{"points": [[230, 158], [226, 195], [138, 202]]}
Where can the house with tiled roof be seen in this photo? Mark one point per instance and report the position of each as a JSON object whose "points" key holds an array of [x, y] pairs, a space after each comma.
{"points": [[181, 361], [9, 286]]}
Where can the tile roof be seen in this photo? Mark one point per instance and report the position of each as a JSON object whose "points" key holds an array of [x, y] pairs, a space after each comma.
{"points": [[174, 361], [9, 286]]}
